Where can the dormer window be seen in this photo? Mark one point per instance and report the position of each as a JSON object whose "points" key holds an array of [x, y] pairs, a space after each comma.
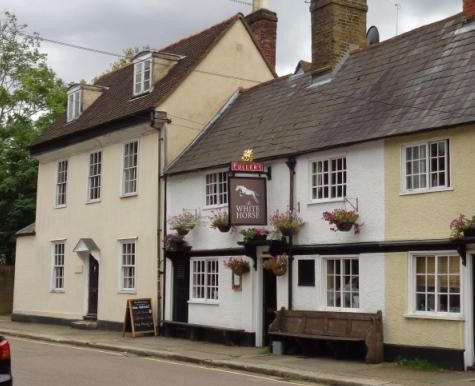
{"points": [[74, 104], [143, 76]]}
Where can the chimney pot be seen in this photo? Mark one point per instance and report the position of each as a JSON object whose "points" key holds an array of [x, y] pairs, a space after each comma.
{"points": [[469, 9], [259, 4], [337, 25]]}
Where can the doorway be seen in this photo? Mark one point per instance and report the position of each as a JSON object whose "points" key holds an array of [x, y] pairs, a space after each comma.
{"points": [[269, 301], [93, 288], [181, 289]]}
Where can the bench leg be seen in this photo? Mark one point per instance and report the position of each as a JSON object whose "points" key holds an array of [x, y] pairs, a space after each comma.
{"points": [[193, 335]]}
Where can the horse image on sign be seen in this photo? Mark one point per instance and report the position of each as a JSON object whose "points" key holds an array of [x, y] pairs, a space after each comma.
{"points": [[243, 191]]}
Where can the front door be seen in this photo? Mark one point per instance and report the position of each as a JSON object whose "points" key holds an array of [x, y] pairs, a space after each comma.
{"points": [[93, 287], [181, 289], [269, 283]]}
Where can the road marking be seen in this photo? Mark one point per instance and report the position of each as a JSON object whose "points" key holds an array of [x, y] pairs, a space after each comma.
{"points": [[176, 363]]}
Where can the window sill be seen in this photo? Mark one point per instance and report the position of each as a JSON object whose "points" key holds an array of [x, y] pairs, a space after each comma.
{"points": [[89, 202], [204, 302], [57, 291], [128, 292], [60, 207], [329, 201], [215, 207], [336, 309], [448, 317], [426, 191], [129, 195]]}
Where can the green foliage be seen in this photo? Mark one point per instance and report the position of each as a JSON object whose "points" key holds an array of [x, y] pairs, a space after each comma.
{"points": [[31, 97], [417, 364]]}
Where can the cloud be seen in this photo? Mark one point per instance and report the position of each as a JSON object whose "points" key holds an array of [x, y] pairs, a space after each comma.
{"points": [[112, 25]]}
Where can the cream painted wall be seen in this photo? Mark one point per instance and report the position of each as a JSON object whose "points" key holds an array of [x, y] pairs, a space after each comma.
{"points": [[402, 330], [197, 100], [106, 222], [427, 215], [203, 94]]}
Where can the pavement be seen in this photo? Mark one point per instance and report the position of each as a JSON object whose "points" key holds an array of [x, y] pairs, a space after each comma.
{"points": [[250, 359]]}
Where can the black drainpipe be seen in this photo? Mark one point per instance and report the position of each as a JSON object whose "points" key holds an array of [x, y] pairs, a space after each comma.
{"points": [[291, 163]]}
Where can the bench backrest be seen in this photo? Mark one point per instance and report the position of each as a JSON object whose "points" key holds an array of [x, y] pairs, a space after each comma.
{"points": [[337, 324]]}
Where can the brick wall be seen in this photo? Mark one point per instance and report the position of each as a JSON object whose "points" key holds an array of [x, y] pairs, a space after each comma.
{"points": [[469, 8], [7, 275], [263, 24], [336, 24]]}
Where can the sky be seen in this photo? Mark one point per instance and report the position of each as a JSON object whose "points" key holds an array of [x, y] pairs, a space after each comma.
{"points": [[113, 25]]}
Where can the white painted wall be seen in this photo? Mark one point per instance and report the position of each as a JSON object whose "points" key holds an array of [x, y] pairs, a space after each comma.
{"points": [[365, 172], [371, 270]]}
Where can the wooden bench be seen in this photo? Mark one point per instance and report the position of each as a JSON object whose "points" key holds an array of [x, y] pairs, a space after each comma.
{"points": [[229, 335], [332, 326]]}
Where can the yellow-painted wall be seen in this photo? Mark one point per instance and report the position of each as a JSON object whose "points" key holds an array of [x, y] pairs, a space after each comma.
{"points": [[423, 216], [402, 330], [427, 215], [203, 94]]}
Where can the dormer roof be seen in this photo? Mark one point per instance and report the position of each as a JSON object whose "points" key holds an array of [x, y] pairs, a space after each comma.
{"points": [[117, 101]]}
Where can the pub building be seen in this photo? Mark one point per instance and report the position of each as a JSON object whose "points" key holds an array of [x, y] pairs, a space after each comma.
{"points": [[359, 149]]}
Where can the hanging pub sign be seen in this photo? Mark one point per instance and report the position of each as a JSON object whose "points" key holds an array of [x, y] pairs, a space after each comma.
{"points": [[247, 200]]}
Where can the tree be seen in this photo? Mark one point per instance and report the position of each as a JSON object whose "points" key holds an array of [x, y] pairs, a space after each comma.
{"points": [[31, 97]]}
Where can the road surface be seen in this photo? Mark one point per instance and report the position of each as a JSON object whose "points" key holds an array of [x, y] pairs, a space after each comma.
{"points": [[46, 364]]}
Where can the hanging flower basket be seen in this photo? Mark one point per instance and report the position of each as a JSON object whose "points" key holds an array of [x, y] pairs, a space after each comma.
{"points": [[278, 265], [220, 220], [288, 223], [224, 228], [343, 220], [238, 265], [176, 245], [254, 234], [344, 226], [462, 226], [183, 223]]}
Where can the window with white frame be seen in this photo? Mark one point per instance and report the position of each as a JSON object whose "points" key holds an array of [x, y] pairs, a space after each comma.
{"points": [[205, 279], [142, 76], [127, 265], [129, 177], [58, 265], [329, 179], [426, 166], [343, 286], [74, 104], [216, 189], [94, 181], [61, 183], [437, 284]]}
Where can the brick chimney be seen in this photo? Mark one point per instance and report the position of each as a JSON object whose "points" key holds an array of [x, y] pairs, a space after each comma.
{"points": [[469, 9], [336, 26], [263, 24]]}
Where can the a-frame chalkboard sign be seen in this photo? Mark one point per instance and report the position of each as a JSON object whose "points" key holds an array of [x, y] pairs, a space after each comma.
{"points": [[139, 317]]}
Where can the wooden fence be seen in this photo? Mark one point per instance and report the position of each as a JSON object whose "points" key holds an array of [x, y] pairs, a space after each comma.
{"points": [[7, 275]]}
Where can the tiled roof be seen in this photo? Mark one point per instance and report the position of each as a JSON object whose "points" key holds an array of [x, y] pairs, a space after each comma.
{"points": [[421, 80], [117, 102]]}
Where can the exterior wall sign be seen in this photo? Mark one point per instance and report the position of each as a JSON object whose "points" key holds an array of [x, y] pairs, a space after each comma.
{"points": [[248, 167], [247, 201]]}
